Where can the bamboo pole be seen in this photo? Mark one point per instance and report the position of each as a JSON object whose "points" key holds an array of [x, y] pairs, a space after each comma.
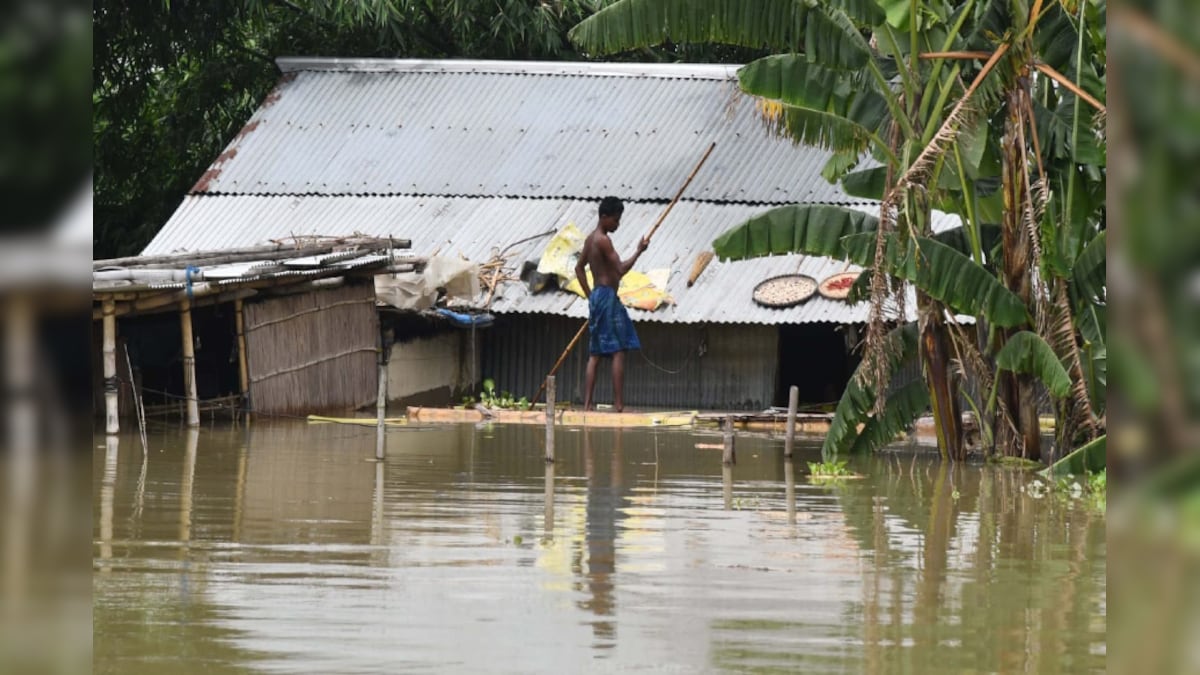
{"points": [[189, 364], [250, 253], [550, 394], [112, 423], [793, 403], [239, 315], [650, 234]]}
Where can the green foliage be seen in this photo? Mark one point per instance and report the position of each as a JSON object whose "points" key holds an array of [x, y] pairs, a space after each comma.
{"points": [[631, 24], [829, 469], [173, 82], [901, 408], [811, 229], [1089, 458], [856, 403], [1027, 352]]}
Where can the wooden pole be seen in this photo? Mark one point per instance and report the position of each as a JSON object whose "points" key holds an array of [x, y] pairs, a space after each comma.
{"points": [[112, 423], [727, 485], [548, 510], [793, 403], [243, 367], [381, 411], [653, 229], [789, 476], [189, 364], [729, 457], [550, 394]]}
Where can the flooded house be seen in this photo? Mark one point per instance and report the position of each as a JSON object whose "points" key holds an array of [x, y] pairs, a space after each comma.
{"points": [[288, 327], [482, 163]]}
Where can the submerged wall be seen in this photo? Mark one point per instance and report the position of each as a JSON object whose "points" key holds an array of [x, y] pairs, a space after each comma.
{"points": [[706, 366], [432, 370]]}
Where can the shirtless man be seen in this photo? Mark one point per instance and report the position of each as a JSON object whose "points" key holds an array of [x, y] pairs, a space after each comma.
{"points": [[610, 331]]}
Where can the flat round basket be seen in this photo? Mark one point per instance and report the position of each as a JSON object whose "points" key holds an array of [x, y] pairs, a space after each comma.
{"points": [[837, 286], [786, 290]]}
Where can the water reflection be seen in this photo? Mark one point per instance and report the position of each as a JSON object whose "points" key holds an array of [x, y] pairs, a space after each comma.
{"points": [[286, 547]]}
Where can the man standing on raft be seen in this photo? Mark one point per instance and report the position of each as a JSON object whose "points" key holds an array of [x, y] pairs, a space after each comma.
{"points": [[610, 331]]}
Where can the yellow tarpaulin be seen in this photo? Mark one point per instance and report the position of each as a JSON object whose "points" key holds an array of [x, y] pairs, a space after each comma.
{"points": [[638, 290]]}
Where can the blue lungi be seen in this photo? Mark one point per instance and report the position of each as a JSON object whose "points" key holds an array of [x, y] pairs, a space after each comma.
{"points": [[609, 328]]}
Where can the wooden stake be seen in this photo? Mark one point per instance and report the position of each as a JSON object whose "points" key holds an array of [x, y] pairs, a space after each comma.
{"points": [[189, 364], [112, 423], [729, 457], [381, 412], [550, 418], [793, 403], [789, 491]]}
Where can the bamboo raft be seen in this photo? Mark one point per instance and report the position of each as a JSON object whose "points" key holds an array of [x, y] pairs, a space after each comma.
{"points": [[566, 417], [805, 423]]}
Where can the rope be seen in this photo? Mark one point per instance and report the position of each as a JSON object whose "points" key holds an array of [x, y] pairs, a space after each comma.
{"points": [[658, 367]]}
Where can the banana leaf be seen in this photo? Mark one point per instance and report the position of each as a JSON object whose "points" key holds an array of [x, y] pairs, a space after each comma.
{"points": [[902, 407], [1089, 458], [1027, 352]]}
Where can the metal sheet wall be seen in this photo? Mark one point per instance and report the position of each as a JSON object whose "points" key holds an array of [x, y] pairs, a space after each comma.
{"points": [[709, 367]]}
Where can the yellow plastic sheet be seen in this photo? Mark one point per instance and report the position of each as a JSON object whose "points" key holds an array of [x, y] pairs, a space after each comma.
{"points": [[638, 290]]}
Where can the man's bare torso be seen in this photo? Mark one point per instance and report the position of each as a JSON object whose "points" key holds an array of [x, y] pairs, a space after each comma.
{"points": [[598, 252]]}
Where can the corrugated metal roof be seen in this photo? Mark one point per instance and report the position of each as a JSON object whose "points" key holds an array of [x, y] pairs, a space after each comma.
{"points": [[519, 129], [479, 228]]}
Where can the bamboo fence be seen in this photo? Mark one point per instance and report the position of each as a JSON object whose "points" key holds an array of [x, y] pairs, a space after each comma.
{"points": [[313, 352]]}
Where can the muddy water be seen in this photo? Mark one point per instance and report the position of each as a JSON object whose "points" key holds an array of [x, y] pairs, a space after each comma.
{"points": [[283, 548]]}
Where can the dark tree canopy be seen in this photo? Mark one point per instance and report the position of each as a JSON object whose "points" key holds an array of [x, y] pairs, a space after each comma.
{"points": [[174, 80]]}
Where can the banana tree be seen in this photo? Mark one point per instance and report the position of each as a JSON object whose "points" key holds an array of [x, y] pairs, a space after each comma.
{"points": [[901, 97], [830, 87]]}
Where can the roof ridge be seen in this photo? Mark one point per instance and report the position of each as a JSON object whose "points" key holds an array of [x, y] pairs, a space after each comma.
{"points": [[707, 71]]}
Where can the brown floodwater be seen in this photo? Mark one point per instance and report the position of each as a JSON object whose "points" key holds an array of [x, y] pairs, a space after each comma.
{"points": [[285, 548]]}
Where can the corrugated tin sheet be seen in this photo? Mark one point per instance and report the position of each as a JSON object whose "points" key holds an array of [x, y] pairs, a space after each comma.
{"points": [[478, 228], [682, 367], [514, 129]]}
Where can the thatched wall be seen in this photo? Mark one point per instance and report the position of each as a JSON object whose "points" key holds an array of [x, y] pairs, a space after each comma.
{"points": [[313, 351]]}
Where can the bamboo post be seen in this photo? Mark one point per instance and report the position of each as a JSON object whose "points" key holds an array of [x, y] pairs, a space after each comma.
{"points": [[381, 411], [789, 476], [189, 364], [793, 403], [729, 457], [112, 423], [243, 367], [550, 395]]}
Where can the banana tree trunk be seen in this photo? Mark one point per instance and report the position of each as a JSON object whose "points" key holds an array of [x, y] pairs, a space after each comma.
{"points": [[1017, 390], [943, 385]]}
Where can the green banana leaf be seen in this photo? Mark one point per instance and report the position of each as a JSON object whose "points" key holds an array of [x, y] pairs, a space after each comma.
{"points": [[1089, 458], [1027, 352], [854, 408], [902, 407]]}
